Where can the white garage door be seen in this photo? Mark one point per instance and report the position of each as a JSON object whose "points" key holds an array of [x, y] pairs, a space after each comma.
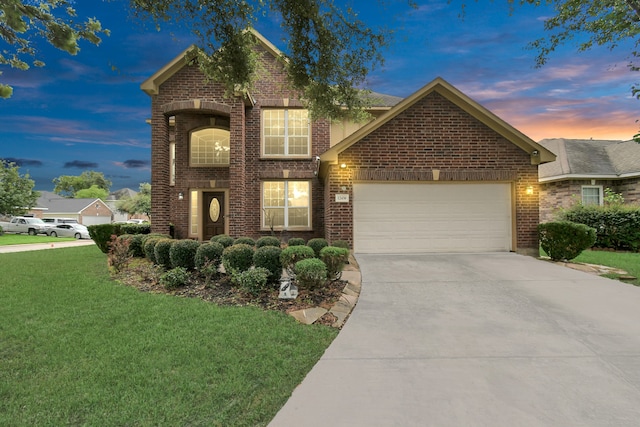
{"points": [[88, 220], [419, 217]]}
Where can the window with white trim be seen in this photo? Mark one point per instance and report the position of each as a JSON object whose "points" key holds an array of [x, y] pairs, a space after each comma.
{"points": [[172, 163], [194, 217], [286, 204], [592, 195], [285, 133], [209, 147]]}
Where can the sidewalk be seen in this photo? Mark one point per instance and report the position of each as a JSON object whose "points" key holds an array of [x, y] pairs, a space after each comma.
{"points": [[42, 246]]}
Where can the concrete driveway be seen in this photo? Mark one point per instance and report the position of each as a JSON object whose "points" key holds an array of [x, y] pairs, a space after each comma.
{"points": [[478, 340]]}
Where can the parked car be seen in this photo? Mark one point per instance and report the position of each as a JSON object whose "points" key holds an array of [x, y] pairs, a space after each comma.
{"points": [[22, 224], [78, 231], [137, 221], [60, 221]]}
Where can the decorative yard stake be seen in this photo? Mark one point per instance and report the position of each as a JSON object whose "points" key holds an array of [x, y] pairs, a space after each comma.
{"points": [[287, 289]]}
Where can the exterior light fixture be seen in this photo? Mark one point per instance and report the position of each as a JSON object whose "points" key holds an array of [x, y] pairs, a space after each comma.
{"points": [[180, 196], [529, 190], [343, 166]]}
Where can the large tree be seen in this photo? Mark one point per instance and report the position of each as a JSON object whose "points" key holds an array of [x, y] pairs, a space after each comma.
{"points": [[16, 191], [138, 204], [69, 185], [93, 192]]}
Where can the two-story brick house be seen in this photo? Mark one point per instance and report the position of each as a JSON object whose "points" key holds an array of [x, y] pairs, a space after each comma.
{"points": [[433, 172]]}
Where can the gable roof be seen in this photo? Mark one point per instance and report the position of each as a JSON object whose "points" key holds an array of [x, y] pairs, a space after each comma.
{"points": [[539, 154], [56, 204], [590, 159]]}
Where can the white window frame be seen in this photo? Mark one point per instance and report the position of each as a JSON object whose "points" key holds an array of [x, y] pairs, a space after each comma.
{"points": [[212, 154], [600, 194], [172, 163], [263, 217], [286, 153]]}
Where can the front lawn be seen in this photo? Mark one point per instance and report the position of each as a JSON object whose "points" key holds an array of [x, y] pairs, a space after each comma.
{"points": [[78, 349], [628, 261], [24, 239]]}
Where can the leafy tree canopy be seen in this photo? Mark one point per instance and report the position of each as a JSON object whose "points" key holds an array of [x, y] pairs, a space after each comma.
{"points": [[138, 204], [69, 185], [93, 192], [16, 191]]}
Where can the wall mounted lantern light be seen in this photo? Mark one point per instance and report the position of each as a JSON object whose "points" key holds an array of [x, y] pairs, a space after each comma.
{"points": [[529, 190], [180, 196]]}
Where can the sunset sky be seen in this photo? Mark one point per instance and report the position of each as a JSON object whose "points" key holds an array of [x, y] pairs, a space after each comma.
{"points": [[87, 112]]}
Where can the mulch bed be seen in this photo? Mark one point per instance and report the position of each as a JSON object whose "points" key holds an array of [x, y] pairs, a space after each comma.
{"points": [[144, 276]]}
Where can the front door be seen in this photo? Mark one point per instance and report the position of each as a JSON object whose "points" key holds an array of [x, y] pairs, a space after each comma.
{"points": [[213, 213]]}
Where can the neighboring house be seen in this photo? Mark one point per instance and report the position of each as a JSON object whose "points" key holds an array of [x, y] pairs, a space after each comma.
{"points": [[584, 169], [85, 211], [112, 201], [435, 172]]}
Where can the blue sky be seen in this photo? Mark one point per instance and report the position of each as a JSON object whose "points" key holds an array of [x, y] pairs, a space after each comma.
{"points": [[87, 112]]}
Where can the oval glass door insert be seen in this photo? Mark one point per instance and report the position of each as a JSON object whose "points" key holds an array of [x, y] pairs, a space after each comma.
{"points": [[214, 210]]}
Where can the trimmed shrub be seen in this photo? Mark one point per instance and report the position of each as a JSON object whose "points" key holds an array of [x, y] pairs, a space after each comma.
{"points": [[175, 277], [135, 228], [149, 249], [101, 235], [268, 257], [317, 244], [162, 252], [237, 258], [296, 241], [145, 237], [245, 241], [564, 240], [617, 226], [209, 253], [183, 253], [136, 245], [335, 259], [292, 254], [268, 241], [310, 273], [119, 254], [223, 239], [341, 244], [252, 281]]}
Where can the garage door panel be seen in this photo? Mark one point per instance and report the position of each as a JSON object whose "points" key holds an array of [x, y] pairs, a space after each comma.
{"points": [[405, 218]]}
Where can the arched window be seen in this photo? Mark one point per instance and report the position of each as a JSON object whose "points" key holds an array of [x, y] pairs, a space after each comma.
{"points": [[209, 147]]}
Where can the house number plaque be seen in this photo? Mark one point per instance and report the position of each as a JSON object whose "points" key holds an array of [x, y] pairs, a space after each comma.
{"points": [[342, 198], [214, 210]]}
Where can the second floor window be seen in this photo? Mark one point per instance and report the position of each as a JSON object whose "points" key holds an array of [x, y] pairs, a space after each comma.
{"points": [[285, 133], [209, 147]]}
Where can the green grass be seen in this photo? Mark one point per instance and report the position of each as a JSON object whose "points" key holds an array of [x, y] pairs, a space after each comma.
{"points": [[24, 239], [79, 349]]}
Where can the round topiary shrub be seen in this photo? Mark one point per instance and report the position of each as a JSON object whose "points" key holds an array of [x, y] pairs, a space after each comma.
{"points": [[340, 244], [335, 259], [174, 278], [564, 240], [245, 241], [162, 253], [292, 254], [310, 273], [183, 253], [268, 257], [317, 244], [268, 241], [149, 249], [252, 281], [209, 254], [237, 258], [135, 245], [296, 241], [223, 239]]}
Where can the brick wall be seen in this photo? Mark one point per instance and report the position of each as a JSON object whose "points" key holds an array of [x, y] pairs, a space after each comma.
{"points": [[434, 134]]}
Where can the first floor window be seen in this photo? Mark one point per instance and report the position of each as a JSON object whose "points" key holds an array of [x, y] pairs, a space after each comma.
{"points": [[172, 163], [286, 204], [592, 195], [193, 214]]}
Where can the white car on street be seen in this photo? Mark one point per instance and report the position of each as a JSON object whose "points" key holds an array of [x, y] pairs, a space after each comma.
{"points": [[78, 231]]}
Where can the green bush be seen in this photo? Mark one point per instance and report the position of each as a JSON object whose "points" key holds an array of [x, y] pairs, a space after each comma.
{"points": [[268, 241], [252, 281], [564, 240], [209, 253], [162, 252], [149, 249], [237, 258], [310, 273], [136, 245], [175, 277], [183, 253], [268, 257], [292, 254], [340, 244], [245, 241], [317, 244], [145, 237], [617, 226], [223, 239], [135, 228], [296, 241], [101, 235], [335, 259]]}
